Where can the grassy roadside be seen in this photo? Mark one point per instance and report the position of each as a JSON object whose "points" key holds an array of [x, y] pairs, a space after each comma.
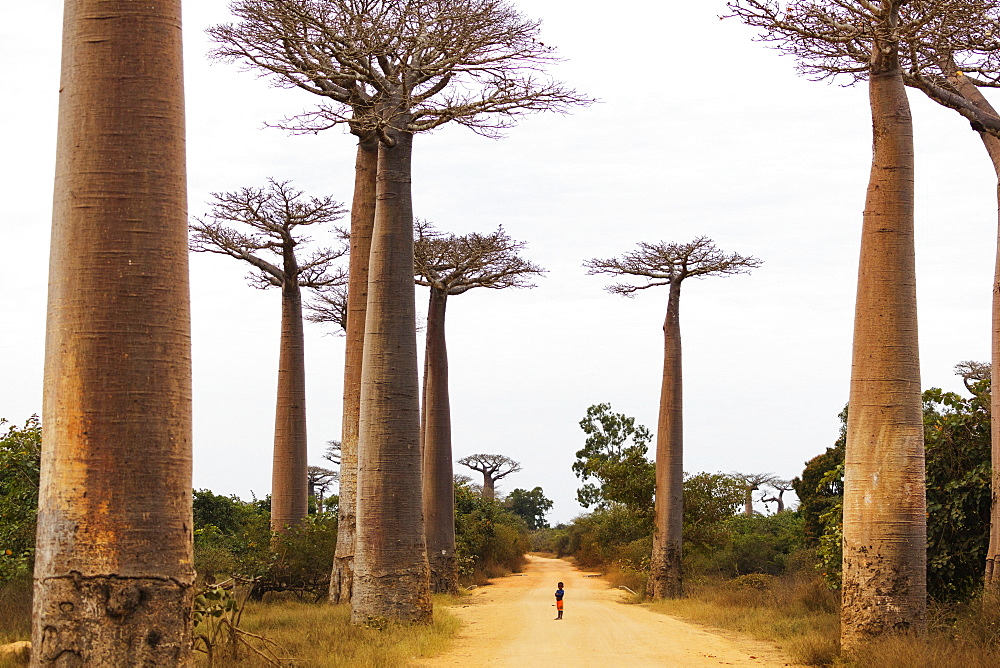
{"points": [[308, 634], [800, 615]]}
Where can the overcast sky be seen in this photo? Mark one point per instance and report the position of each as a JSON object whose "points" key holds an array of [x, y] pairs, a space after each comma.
{"points": [[700, 131]]}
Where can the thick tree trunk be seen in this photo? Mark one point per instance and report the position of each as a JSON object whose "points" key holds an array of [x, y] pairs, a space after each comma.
{"points": [[289, 475], [439, 486], [113, 575], [665, 565], [362, 222], [391, 576], [885, 544], [489, 486], [970, 92]]}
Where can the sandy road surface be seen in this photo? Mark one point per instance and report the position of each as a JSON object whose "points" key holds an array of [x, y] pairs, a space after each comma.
{"points": [[512, 623]]}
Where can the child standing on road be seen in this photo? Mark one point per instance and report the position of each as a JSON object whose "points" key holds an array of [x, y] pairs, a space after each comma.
{"points": [[559, 600]]}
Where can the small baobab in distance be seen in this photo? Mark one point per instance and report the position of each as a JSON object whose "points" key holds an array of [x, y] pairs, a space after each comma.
{"points": [[269, 237], [493, 468], [451, 265], [656, 265]]}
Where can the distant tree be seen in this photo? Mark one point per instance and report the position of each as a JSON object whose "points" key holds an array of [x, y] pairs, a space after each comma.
{"points": [[226, 513], [656, 265], [114, 552], [329, 306], [493, 468], [320, 480], [334, 452], [710, 499], [777, 498], [531, 506], [614, 454], [751, 483], [452, 265], [392, 70], [884, 575], [273, 218]]}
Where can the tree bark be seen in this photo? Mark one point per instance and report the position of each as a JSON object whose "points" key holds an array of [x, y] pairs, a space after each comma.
{"points": [[665, 564], [362, 222], [489, 486], [289, 475], [885, 544], [113, 572], [439, 485], [391, 576], [969, 91]]}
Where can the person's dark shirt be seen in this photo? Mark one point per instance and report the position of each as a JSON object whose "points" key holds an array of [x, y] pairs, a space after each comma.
{"points": [[559, 594]]}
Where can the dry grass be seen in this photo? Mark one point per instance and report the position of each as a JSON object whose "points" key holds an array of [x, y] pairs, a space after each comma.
{"points": [[796, 612], [319, 636], [322, 636], [800, 615], [15, 610]]}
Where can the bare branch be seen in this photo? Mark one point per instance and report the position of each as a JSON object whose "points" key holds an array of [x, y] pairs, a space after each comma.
{"points": [[456, 264], [412, 66], [665, 263], [272, 216]]}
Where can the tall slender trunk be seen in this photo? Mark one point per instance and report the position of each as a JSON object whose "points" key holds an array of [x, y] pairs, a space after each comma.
{"points": [[885, 544], [439, 485], [970, 92], [391, 577], [665, 565], [362, 222], [289, 475], [113, 576]]}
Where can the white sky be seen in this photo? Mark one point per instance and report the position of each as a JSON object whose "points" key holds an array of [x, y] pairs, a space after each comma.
{"points": [[700, 132]]}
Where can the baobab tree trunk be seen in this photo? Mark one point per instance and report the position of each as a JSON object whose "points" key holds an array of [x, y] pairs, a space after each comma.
{"points": [[971, 92], [489, 486], [113, 572], [885, 545], [391, 577], [362, 222], [665, 565], [289, 475], [439, 485]]}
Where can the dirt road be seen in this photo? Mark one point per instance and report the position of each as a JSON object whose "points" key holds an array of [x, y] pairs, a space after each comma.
{"points": [[512, 623]]}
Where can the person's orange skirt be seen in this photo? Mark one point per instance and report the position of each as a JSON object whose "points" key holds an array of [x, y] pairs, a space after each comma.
{"points": [[559, 605]]}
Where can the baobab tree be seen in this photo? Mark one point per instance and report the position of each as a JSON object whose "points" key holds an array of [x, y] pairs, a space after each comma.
{"points": [[275, 217], [452, 265], [656, 265], [751, 482], [780, 487], [493, 468], [113, 570], [388, 70], [320, 480], [884, 574]]}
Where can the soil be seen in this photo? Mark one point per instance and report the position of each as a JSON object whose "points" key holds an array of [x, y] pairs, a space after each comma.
{"points": [[512, 623]]}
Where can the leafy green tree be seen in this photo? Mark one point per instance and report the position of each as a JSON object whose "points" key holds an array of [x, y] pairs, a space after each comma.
{"points": [[614, 454], [710, 500], [20, 460], [489, 539], [529, 506], [957, 437]]}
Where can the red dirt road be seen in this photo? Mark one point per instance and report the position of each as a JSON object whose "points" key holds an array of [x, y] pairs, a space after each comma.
{"points": [[512, 623]]}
